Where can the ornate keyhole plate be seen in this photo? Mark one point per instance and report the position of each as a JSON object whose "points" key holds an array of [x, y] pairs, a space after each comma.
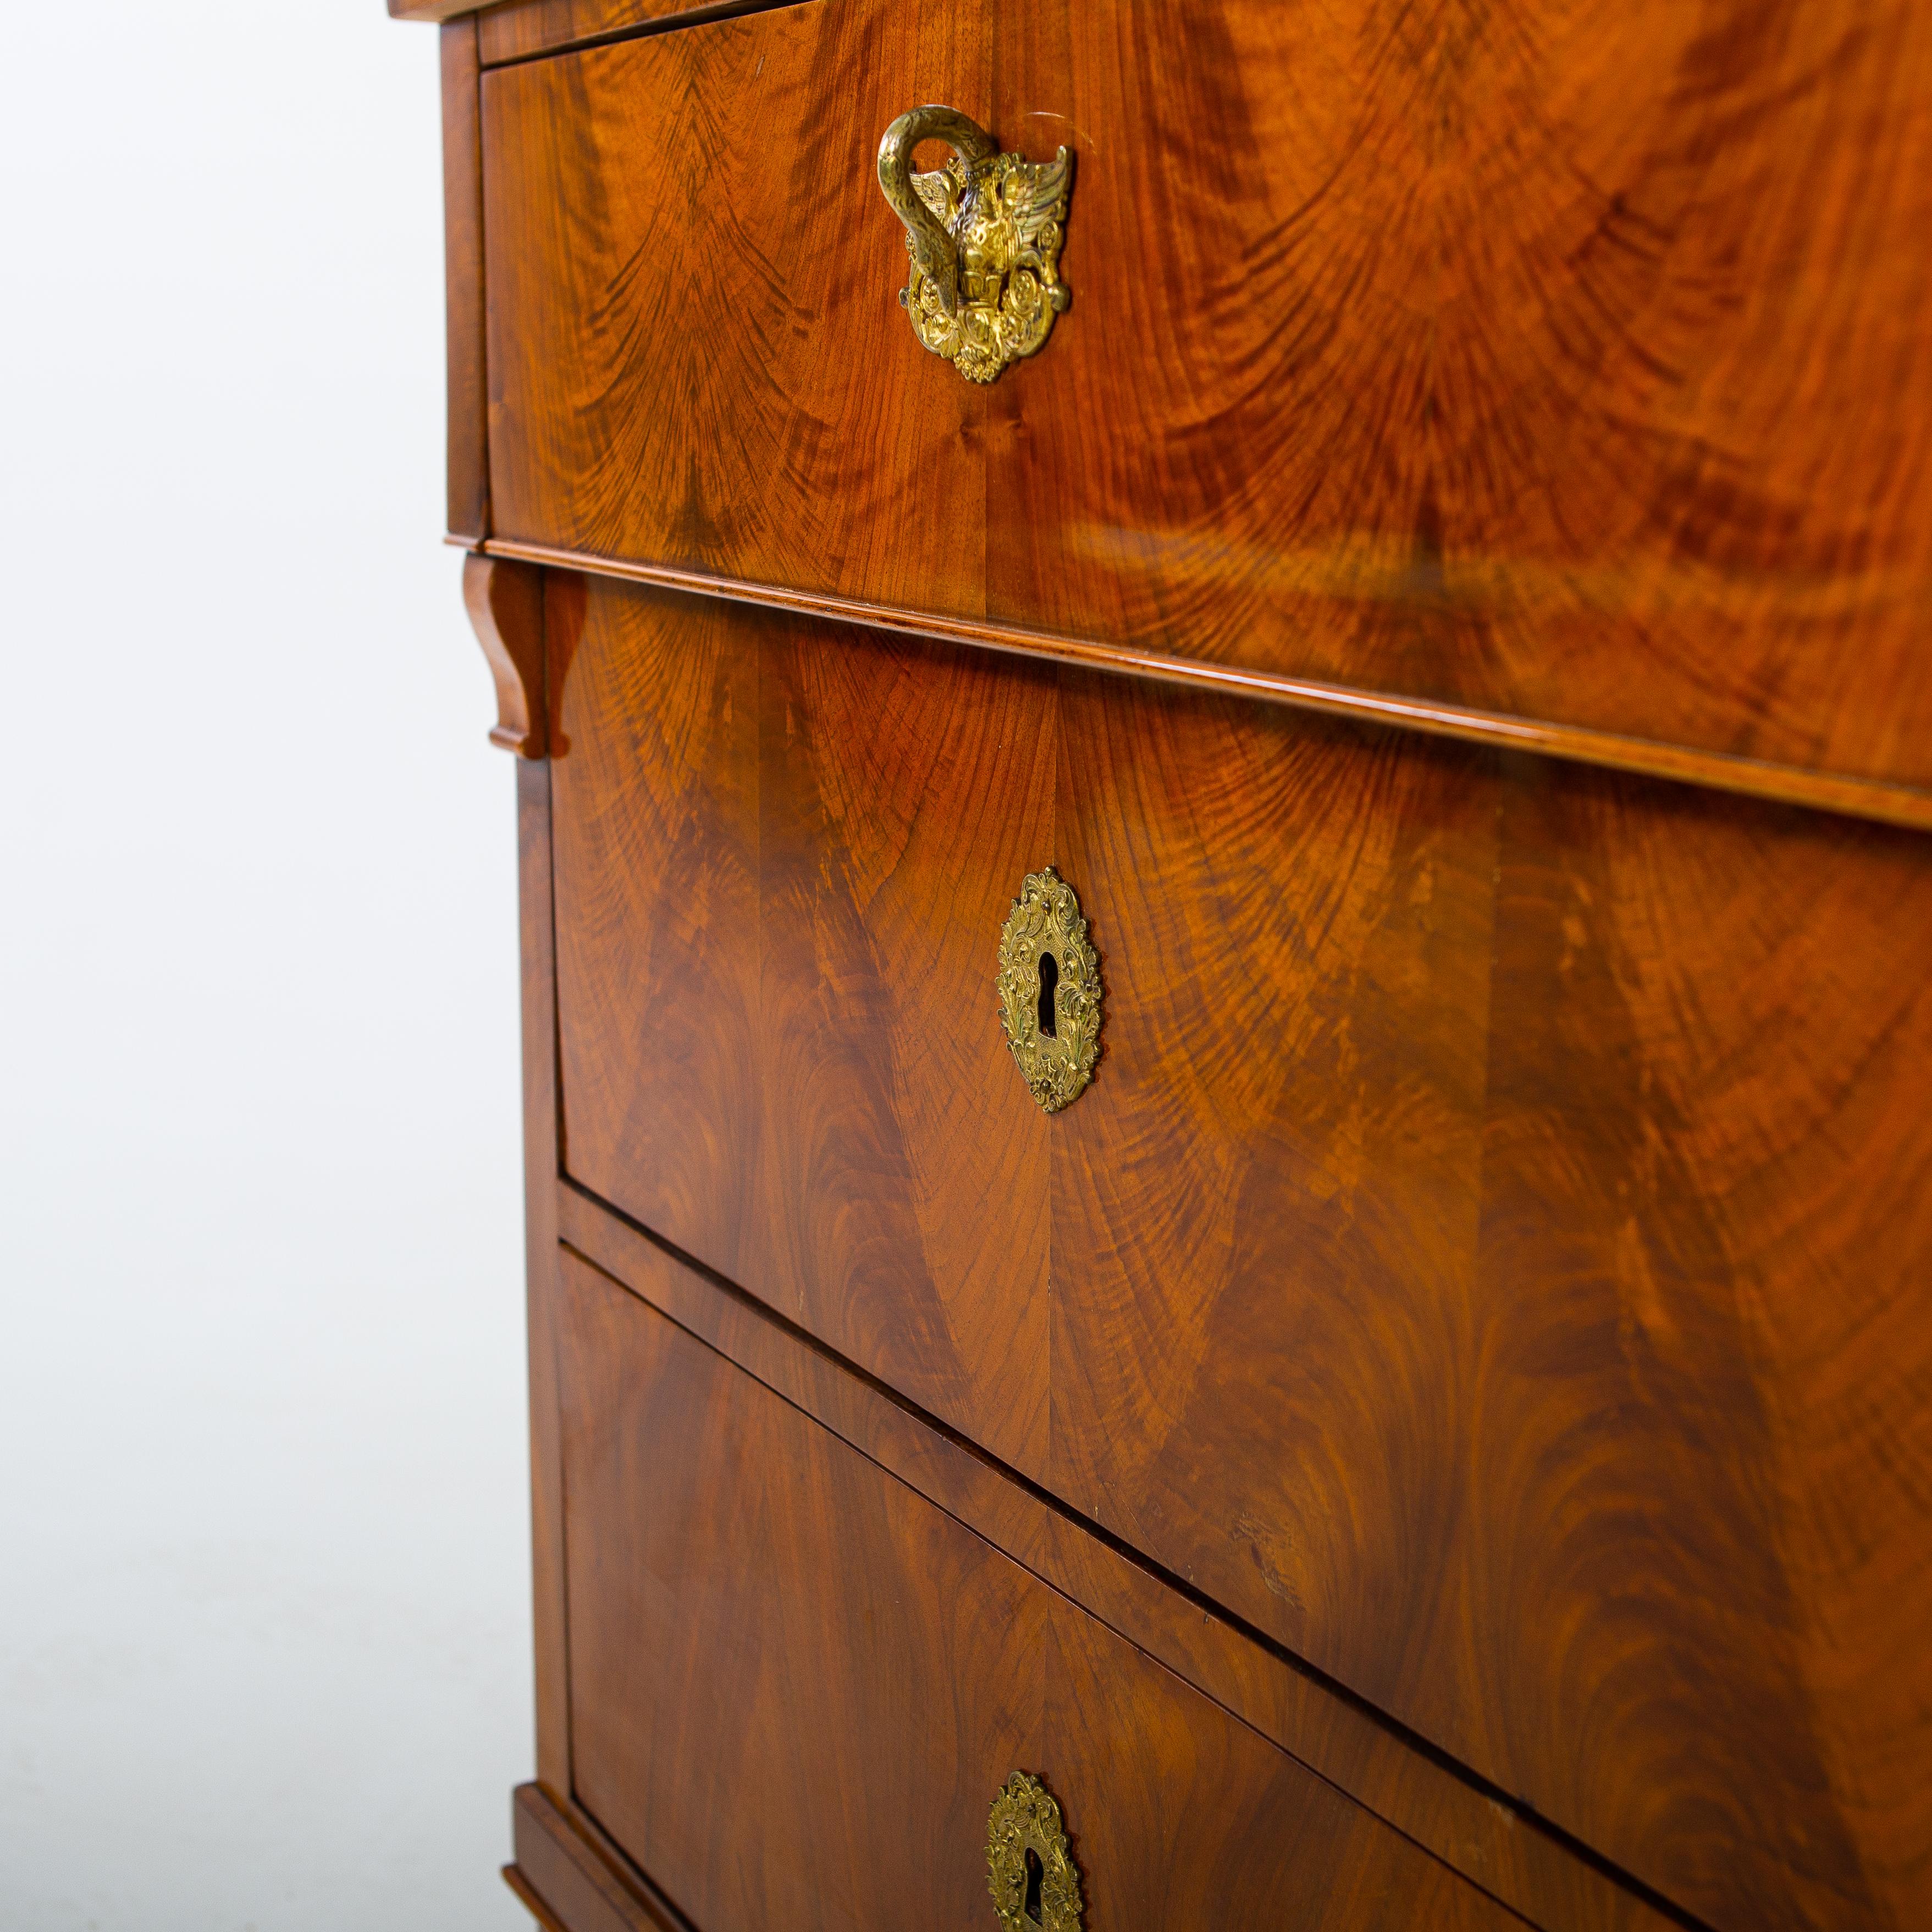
{"points": [[1029, 1871], [1049, 985]]}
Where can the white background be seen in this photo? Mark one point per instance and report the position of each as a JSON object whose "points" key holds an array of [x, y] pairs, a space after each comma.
{"points": [[263, 1576]]}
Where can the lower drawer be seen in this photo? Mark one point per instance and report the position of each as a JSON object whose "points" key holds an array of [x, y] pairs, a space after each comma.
{"points": [[797, 1688]]}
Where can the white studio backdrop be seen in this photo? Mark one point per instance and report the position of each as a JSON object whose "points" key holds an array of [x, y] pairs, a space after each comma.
{"points": [[264, 1627]]}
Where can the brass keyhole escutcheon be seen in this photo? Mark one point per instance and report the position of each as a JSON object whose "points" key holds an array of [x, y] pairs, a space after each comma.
{"points": [[1030, 1869], [1049, 987]]}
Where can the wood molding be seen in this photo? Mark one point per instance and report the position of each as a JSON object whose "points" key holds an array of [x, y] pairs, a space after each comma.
{"points": [[535, 28], [568, 1881], [505, 603], [527, 1897], [468, 428], [1475, 1830], [1712, 771]]}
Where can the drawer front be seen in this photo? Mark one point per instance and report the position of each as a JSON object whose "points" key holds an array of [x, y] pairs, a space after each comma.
{"points": [[1577, 370], [1492, 1257], [797, 1688]]}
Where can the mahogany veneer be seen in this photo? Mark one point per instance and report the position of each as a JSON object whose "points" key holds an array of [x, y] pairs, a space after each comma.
{"points": [[1573, 366], [794, 1685], [1438, 1432], [1449, 1269]]}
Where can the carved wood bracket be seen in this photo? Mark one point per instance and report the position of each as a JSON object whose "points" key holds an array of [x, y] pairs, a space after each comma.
{"points": [[506, 602]]}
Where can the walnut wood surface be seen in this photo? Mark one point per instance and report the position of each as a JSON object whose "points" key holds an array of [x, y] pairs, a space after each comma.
{"points": [[1491, 1259], [797, 1686], [468, 423], [1567, 362], [1511, 1854]]}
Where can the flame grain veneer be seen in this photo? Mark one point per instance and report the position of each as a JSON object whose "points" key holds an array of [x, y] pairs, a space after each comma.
{"points": [[1489, 1257], [1560, 359], [1440, 1431]]}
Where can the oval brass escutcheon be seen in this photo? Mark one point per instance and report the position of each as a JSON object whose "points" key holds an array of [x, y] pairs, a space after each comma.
{"points": [[1049, 984], [1030, 1870]]}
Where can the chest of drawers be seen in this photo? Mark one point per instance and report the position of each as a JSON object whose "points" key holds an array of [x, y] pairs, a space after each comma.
{"points": [[1374, 568]]}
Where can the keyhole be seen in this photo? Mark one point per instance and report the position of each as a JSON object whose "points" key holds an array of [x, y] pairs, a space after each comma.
{"points": [[1036, 1871], [1049, 978]]}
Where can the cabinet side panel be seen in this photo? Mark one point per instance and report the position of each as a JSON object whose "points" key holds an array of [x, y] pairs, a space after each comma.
{"points": [[540, 1167], [469, 510]]}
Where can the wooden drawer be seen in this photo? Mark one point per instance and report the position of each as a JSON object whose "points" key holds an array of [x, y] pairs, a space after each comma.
{"points": [[1577, 370], [1492, 1258], [796, 1687]]}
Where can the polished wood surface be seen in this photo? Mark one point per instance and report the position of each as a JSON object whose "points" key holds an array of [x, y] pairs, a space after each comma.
{"points": [[505, 600], [569, 1877], [432, 10], [511, 30], [1509, 1852], [468, 435], [528, 1896], [807, 1728], [1490, 1259], [1747, 777], [1719, 1418], [1440, 1430], [1572, 369], [543, 26]]}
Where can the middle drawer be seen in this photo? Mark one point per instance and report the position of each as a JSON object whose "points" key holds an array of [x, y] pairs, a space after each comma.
{"points": [[786, 852]]}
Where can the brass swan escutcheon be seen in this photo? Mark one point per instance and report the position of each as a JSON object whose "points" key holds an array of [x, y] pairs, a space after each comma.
{"points": [[984, 233]]}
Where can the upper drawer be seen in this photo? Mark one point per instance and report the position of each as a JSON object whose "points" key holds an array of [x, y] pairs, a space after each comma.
{"points": [[1492, 1258], [1578, 369], [797, 1687]]}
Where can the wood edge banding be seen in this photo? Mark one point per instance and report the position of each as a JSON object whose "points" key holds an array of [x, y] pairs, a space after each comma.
{"points": [[1576, 744]]}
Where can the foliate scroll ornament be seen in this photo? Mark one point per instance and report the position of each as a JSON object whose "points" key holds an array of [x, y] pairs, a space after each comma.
{"points": [[1049, 989], [1030, 1870], [984, 234]]}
